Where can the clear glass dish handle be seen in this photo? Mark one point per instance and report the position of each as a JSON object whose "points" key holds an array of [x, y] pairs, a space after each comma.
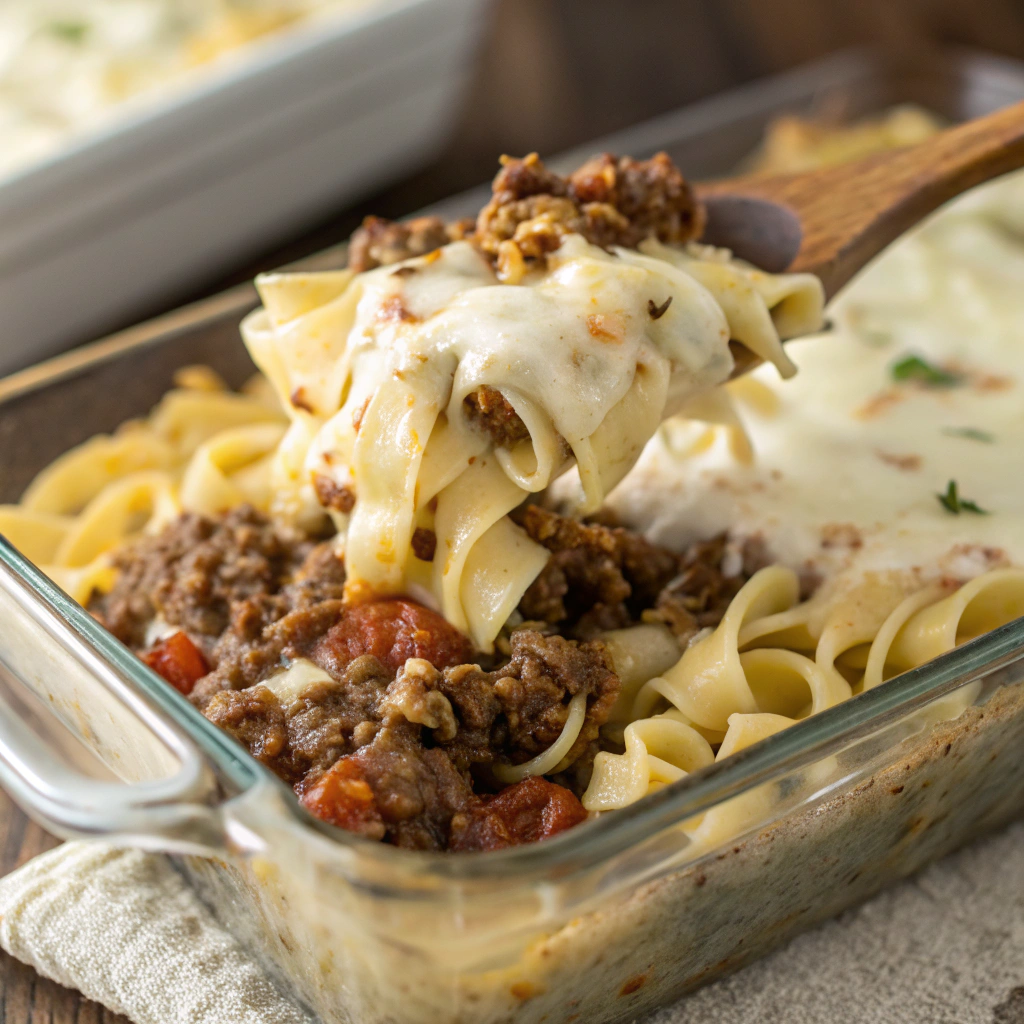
{"points": [[172, 813], [92, 743]]}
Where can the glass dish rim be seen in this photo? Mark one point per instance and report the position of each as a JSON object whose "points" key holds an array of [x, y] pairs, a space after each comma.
{"points": [[593, 842], [596, 841]]}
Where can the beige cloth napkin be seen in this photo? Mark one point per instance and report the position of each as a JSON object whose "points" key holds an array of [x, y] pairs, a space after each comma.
{"points": [[123, 928], [944, 948]]}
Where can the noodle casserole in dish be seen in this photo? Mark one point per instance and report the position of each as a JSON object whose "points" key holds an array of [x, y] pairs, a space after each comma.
{"points": [[720, 739]]}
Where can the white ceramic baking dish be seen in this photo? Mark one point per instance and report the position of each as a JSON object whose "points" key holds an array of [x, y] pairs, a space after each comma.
{"points": [[176, 189]]}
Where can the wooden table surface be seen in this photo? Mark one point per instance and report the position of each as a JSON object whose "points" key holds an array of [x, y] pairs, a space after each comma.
{"points": [[580, 81], [25, 997]]}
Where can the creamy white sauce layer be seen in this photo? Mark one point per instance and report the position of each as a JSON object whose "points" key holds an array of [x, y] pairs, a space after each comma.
{"points": [[591, 351], [569, 340], [65, 65], [848, 461]]}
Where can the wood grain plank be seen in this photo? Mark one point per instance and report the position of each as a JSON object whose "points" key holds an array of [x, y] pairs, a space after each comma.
{"points": [[28, 998], [25, 997]]}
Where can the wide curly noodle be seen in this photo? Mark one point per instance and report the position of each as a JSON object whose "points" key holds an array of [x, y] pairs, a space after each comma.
{"points": [[418, 453]]}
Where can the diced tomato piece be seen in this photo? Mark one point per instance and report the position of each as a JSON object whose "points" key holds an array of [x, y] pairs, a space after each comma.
{"points": [[342, 797], [527, 812], [392, 631], [178, 660]]}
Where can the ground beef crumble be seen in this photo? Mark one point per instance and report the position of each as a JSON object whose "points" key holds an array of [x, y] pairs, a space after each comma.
{"points": [[199, 571], [400, 739], [488, 409], [379, 242], [604, 577], [422, 738], [610, 201]]}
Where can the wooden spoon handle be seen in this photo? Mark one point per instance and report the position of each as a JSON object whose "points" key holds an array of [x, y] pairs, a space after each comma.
{"points": [[849, 213]]}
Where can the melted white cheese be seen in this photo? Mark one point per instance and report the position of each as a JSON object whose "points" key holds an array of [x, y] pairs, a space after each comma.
{"points": [[569, 341], [291, 683], [591, 352], [847, 461]]}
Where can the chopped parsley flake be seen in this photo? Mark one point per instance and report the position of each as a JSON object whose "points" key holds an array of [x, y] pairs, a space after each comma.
{"points": [[69, 30], [952, 502], [914, 368], [970, 434]]}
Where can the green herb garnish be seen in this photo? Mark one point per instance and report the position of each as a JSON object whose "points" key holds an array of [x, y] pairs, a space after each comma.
{"points": [[952, 502], [970, 433], [914, 368], [70, 31]]}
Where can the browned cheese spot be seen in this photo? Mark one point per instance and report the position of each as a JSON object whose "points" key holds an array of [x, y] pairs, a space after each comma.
{"points": [[300, 400], [333, 495], [907, 463], [604, 328], [879, 404], [392, 310], [841, 535]]}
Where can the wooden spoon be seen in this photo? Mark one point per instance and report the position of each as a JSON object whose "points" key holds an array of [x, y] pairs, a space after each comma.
{"points": [[833, 221]]}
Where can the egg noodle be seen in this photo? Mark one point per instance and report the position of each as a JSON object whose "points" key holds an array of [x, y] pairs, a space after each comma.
{"points": [[774, 660], [203, 449], [374, 370], [373, 392], [364, 378], [849, 484]]}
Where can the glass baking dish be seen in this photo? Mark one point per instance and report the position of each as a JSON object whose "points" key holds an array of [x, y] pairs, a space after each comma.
{"points": [[602, 923]]}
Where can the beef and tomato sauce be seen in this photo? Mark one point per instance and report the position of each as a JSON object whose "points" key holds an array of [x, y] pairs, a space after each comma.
{"points": [[402, 725], [398, 736], [609, 200]]}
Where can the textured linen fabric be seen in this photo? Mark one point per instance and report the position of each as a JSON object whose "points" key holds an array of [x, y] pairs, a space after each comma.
{"points": [[946, 947], [123, 928]]}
